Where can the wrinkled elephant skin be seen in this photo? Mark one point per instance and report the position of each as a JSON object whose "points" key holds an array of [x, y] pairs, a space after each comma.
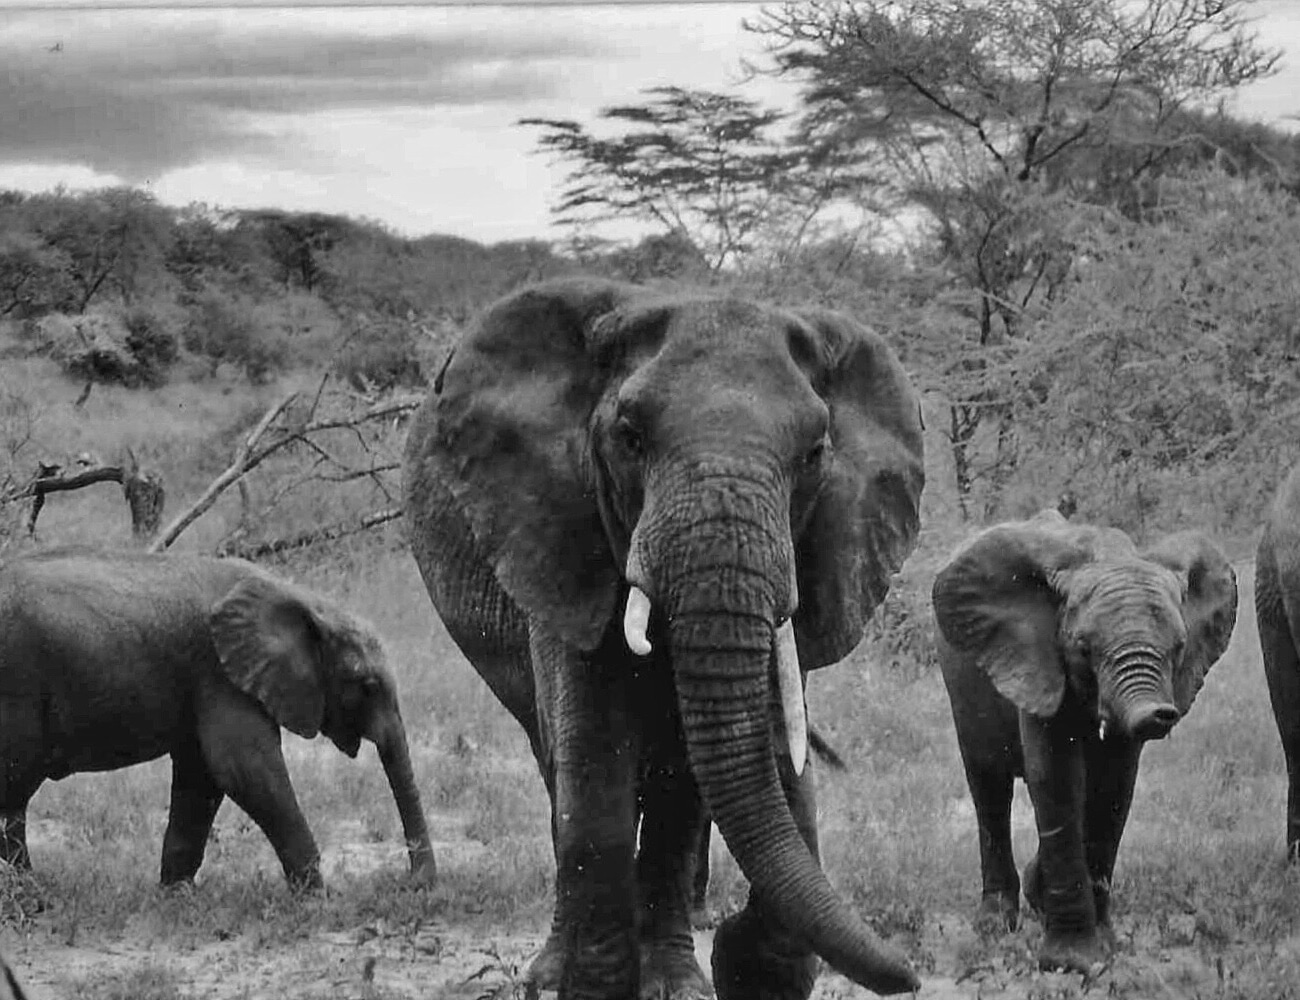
{"points": [[1277, 612], [109, 659], [1064, 649], [642, 516]]}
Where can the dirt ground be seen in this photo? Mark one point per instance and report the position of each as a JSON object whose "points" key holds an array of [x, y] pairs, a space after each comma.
{"points": [[374, 961]]}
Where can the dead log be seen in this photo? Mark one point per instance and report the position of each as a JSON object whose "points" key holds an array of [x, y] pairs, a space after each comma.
{"points": [[143, 490]]}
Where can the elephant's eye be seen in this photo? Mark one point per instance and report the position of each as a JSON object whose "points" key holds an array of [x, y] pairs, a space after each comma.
{"points": [[815, 455], [629, 437]]}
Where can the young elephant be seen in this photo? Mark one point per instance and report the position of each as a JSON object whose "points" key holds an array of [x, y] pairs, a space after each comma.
{"points": [[1277, 611], [1064, 649], [111, 659]]}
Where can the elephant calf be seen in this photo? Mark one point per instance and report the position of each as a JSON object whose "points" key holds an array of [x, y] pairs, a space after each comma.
{"points": [[111, 659], [1064, 649]]}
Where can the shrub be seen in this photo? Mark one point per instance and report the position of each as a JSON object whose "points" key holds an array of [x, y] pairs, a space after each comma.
{"points": [[226, 328], [93, 346], [382, 355], [151, 342]]}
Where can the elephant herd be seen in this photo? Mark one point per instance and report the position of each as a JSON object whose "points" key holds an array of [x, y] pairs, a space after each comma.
{"points": [[644, 517]]}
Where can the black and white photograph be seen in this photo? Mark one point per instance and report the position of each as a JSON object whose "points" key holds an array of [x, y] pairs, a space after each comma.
{"points": [[660, 500]]}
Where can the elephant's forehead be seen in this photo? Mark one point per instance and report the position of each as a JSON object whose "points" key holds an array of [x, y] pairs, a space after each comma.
{"points": [[732, 325], [1127, 575]]}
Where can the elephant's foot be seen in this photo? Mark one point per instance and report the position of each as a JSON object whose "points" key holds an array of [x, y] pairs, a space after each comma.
{"points": [[1086, 952], [669, 971], [306, 880], [999, 913], [545, 970], [747, 965]]}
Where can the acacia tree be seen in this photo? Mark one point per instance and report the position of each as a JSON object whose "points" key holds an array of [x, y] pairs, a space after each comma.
{"points": [[988, 115], [1185, 328], [114, 239], [694, 162], [33, 275]]}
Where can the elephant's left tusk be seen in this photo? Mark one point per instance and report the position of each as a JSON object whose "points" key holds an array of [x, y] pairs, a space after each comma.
{"points": [[789, 680], [636, 619]]}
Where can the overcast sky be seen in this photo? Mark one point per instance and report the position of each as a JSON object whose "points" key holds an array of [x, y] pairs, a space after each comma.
{"points": [[401, 114]]}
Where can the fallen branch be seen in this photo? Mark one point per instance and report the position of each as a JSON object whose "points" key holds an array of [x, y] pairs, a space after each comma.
{"points": [[304, 539], [143, 491], [278, 431], [245, 460]]}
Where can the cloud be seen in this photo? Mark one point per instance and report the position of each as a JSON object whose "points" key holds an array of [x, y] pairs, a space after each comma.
{"points": [[141, 93]]}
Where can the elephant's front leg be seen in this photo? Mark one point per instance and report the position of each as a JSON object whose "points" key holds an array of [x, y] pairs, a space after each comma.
{"points": [[1112, 772], [592, 737], [672, 828], [755, 957], [241, 748], [1059, 882]]}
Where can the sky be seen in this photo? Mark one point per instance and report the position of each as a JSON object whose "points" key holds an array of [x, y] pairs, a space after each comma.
{"points": [[402, 114]]}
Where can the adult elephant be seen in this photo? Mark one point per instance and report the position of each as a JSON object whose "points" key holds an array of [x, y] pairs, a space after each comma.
{"points": [[1064, 649], [741, 481], [1277, 611], [114, 658]]}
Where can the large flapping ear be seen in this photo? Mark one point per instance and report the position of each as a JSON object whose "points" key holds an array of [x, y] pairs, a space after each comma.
{"points": [[997, 602], [866, 519], [1209, 606], [269, 644], [506, 432]]}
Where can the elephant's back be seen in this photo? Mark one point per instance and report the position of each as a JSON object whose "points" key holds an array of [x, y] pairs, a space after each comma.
{"points": [[105, 650]]}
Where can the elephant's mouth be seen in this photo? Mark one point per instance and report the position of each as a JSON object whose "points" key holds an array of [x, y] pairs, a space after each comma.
{"points": [[786, 676]]}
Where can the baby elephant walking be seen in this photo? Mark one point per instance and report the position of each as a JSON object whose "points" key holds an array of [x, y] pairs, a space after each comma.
{"points": [[1064, 649], [111, 659]]}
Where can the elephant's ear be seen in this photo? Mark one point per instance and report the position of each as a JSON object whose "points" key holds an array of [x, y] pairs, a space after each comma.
{"points": [[997, 602], [269, 644], [1209, 606], [866, 518], [506, 432]]}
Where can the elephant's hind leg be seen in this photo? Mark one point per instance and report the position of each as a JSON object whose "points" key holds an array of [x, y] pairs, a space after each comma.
{"points": [[22, 739], [195, 799]]}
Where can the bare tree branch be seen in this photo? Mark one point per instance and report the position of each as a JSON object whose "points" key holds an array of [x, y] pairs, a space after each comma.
{"points": [[305, 539], [245, 459]]}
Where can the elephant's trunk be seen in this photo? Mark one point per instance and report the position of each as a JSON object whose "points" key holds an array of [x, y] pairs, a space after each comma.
{"points": [[722, 606], [395, 755], [1139, 693]]}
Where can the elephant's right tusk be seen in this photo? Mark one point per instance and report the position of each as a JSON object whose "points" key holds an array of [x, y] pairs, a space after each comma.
{"points": [[636, 619], [789, 680]]}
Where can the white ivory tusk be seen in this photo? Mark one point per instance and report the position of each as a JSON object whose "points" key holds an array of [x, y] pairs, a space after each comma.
{"points": [[636, 619], [790, 682]]}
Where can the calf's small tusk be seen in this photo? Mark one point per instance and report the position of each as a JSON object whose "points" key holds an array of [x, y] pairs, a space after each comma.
{"points": [[790, 682], [636, 619]]}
